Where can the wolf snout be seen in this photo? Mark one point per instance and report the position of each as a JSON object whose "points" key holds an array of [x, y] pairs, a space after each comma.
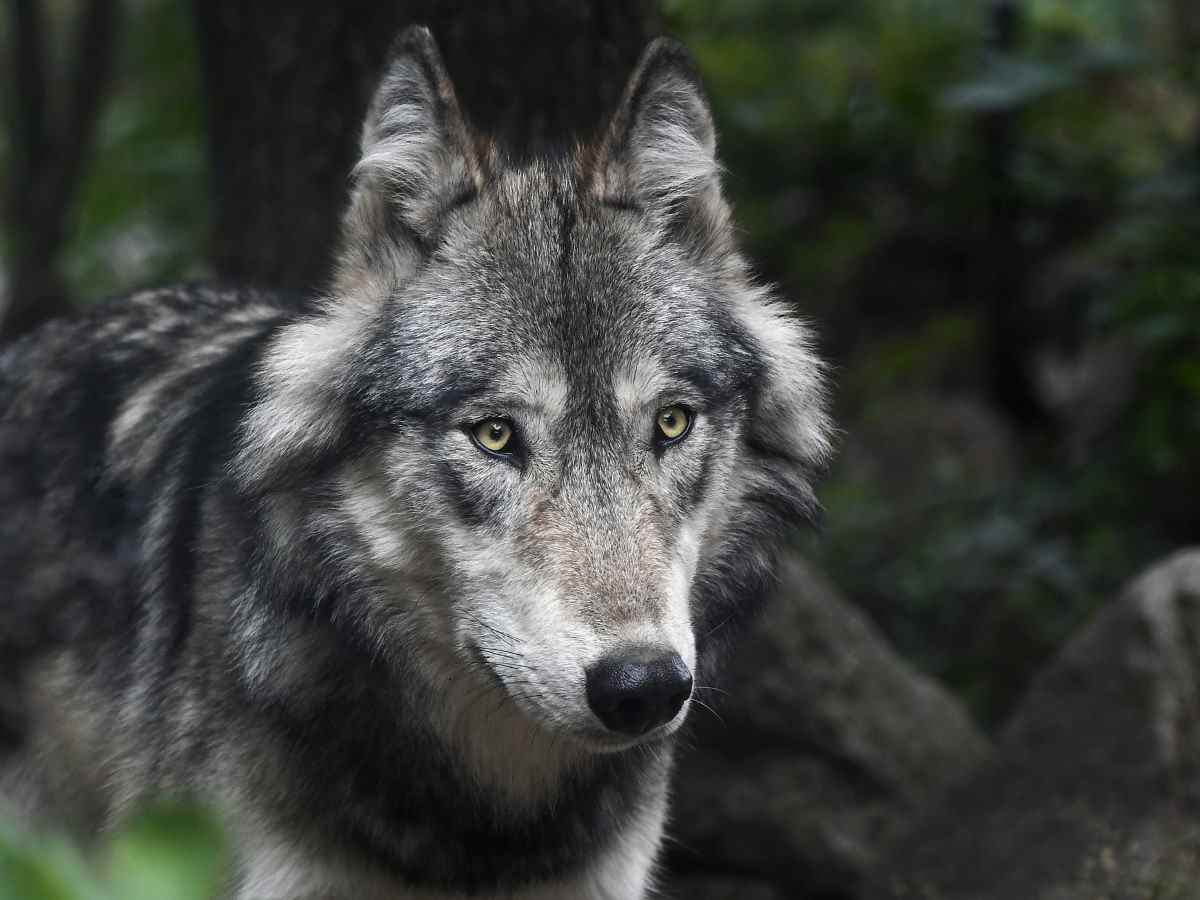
{"points": [[639, 688]]}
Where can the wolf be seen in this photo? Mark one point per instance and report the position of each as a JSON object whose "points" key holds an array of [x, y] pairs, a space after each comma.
{"points": [[414, 581]]}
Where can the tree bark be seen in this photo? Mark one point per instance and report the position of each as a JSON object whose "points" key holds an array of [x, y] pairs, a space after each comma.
{"points": [[288, 82], [50, 154], [1003, 265]]}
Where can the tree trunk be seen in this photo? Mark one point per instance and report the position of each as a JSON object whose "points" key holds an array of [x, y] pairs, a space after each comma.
{"points": [[1003, 265], [288, 83], [50, 152]]}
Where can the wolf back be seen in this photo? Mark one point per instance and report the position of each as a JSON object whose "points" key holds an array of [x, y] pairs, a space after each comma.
{"points": [[257, 551]]}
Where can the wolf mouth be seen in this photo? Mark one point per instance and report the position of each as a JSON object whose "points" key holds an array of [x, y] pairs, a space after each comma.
{"points": [[596, 739]]}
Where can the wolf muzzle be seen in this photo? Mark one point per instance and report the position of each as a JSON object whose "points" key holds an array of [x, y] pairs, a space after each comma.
{"points": [[638, 688]]}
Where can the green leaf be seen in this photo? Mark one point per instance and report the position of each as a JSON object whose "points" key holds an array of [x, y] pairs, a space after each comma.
{"points": [[171, 852], [1107, 59], [44, 869], [1007, 83]]}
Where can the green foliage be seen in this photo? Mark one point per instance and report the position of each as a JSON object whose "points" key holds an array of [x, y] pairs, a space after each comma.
{"points": [[52, 870], [977, 579], [144, 213], [170, 852], [1155, 308], [816, 103], [1007, 83], [861, 139]]}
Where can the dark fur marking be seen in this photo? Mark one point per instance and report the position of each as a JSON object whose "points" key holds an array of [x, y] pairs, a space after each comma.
{"points": [[567, 215], [473, 507], [701, 482], [623, 204], [208, 436], [363, 755]]}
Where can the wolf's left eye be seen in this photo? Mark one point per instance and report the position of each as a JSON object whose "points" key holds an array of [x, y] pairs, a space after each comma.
{"points": [[493, 435], [672, 423]]}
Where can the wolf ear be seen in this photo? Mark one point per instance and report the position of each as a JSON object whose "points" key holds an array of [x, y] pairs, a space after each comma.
{"points": [[660, 150], [417, 158]]}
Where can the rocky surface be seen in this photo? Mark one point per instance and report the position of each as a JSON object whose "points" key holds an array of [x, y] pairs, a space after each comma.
{"points": [[826, 746], [1094, 789]]}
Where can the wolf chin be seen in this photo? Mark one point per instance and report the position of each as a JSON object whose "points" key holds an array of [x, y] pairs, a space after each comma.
{"points": [[412, 583]]}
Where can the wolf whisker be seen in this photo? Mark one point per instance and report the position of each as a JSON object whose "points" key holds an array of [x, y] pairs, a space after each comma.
{"points": [[715, 714]]}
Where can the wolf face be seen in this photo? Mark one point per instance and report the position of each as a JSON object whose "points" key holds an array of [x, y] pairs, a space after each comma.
{"points": [[550, 421]]}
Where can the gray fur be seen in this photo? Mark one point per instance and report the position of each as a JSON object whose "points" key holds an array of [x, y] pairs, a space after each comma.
{"points": [[253, 555]]}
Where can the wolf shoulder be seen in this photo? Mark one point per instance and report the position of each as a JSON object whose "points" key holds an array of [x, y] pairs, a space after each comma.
{"points": [[96, 411], [103, 354]]}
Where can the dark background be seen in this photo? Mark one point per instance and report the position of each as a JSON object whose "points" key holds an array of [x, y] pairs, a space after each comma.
{"points": [[988, 209]]}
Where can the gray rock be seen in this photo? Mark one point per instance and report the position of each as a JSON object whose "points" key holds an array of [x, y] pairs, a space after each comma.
{"points": [[826, 745], [1094, 791]]}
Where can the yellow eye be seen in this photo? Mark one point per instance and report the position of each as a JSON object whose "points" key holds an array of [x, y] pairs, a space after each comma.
{"points": [[493, 435], [673, 423]]}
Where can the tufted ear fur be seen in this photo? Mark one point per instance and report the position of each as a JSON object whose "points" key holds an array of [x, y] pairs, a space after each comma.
{"points": [[418, 159], [659, 153]]}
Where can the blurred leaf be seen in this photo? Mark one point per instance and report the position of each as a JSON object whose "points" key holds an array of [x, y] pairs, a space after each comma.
{"points": [[1006, 83], [144, 212], [168, 853], [47, 869], [1107, 59]]}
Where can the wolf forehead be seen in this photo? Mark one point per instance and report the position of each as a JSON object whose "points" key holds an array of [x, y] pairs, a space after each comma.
{"points": [[532, 271]]}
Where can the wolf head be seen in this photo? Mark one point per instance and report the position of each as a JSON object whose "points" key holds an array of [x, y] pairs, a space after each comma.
{"points": [[545, 435]]}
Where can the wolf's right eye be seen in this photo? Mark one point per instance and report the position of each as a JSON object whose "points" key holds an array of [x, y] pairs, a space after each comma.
{"points": [[494, 436]]}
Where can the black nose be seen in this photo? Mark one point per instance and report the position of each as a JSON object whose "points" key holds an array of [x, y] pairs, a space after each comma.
{"points": [[636, 689]]}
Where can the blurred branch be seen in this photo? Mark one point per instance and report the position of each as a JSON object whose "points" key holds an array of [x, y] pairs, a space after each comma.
{"points": [[1003, 264], [94, 44], [1185, 25], [50, 156], [29, 82]]}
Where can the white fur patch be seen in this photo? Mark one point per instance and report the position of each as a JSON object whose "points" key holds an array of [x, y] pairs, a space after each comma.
{"points": [[540, 384], [300, 409], [636, 385]]}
